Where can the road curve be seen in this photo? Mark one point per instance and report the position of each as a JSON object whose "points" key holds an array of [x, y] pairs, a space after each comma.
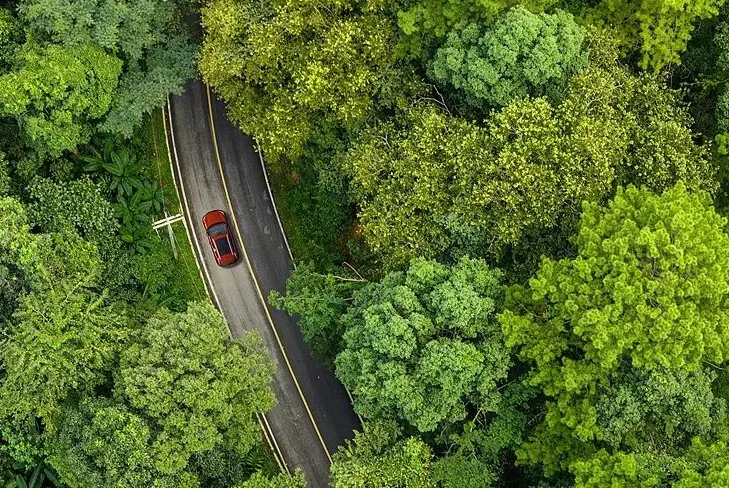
{"points": [[217, 167]]}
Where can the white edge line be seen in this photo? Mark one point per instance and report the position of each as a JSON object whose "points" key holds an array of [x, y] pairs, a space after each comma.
{"points": [[281, 461], [291, 255], [273, 202]]}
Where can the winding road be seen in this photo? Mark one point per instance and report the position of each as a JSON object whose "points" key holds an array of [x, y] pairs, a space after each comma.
{"points": [[216, 166]]}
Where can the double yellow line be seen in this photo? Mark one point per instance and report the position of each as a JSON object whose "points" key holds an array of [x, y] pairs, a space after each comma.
{"points": [[255, 280], [261, 418], [205, 276]]}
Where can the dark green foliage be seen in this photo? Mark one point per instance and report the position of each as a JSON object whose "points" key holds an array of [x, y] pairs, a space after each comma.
{"points": [[56, 94], [320, 300], [78, 205], [425, 22], [11, 34], [421, 347], [521, 54], [168, 67], [313, 200]]}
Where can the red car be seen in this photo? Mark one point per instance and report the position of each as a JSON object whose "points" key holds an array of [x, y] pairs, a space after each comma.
{"points": [[220, 237]]}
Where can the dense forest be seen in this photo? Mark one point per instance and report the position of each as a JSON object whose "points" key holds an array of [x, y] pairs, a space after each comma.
{"points": [[509, 220]]}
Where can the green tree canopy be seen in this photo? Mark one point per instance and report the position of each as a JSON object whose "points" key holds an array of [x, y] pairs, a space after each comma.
{"points": [[102, 444], [56, 94], [122, 27], [657, 29], [425, 22], [284, 69], [521, 54], [617, 335], [375, 458], [168, 376], [64, 338], [422, 345], [529, 169]]}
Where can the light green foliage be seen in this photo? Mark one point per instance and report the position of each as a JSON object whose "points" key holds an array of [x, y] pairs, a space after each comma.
{"points": [[284, 68], [528, 170], [708, 467], [259, 480], [421, 345], [375, 459], [521, 54], [619, 470], [648, 290], [10, 36], [320, 300], [78, 205], [64, 338], [102, 444], [657, 29], [168, 67], [120, 26], [703, 465], [56, 93], [143, 33], [167, 376]]}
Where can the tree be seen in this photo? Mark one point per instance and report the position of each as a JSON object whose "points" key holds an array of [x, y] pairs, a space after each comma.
{"points": [[11, 34], [526, 172], [103, 444], [119, 26], [521, 54], [63, 338], [296, 68], [145, 34], [168, 376], [320, 300], [168, 67], [375, 458], [259, 480], [78, 206], [425, 23], [56, 93], [422, 346], [658, 29], [618, 334]]}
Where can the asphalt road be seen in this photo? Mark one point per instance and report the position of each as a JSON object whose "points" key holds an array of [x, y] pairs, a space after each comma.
{"points": [[218, 168]]}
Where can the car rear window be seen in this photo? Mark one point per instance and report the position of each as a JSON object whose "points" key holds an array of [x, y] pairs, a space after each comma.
{"points": [[223, 246], [216, 230]]}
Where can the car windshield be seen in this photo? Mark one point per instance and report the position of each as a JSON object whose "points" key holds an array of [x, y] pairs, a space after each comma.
{"points": [[216, 230], [223, 246]]}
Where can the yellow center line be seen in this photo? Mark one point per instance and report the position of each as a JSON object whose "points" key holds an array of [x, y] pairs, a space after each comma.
{"points": [[255, 281], [212, 296]]}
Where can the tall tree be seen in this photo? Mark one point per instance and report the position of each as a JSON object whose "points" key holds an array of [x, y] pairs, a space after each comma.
{"points": [[167, 376], [657, 29], [618, 335], [528, 170], [375, 458], [521, 54], [147, 35], [422, 346], [56, 94], [425, 23], [285, 68], [102, 444]]}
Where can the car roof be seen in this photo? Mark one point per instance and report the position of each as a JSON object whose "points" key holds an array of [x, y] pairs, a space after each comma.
{"points": [[223, 245]]}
